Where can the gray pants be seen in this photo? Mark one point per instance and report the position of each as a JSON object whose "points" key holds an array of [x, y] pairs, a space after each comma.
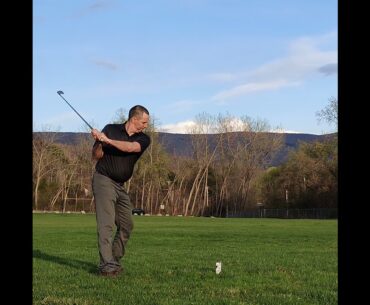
{"points": [[113, 210]]}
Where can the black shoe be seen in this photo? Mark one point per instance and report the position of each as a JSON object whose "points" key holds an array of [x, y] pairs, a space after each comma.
{"points": [[113, 273]]}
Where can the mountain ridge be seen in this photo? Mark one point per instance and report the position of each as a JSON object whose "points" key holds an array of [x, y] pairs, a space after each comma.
{"points": [[180, 144]]}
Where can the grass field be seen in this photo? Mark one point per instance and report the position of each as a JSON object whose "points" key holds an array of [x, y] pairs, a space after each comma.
{"points": [[171, 260]]}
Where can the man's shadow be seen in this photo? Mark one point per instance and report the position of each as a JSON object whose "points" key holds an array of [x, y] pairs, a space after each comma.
{"points": [[74, 263]]}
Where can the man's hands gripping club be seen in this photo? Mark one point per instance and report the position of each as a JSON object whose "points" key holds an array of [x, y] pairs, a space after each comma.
{"points": [[99, 136], [101, 139]]}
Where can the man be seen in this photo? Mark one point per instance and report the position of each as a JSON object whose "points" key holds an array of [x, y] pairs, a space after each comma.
{"points": [[117, 148]]}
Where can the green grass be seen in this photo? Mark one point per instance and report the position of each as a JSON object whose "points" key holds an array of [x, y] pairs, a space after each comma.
{"points": [[171, 260]]}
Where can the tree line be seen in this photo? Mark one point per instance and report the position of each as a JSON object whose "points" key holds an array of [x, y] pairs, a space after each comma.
{"points": [[227, 176]]}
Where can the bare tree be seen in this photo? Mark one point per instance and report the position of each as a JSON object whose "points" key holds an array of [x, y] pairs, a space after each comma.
{"points": [[247, 148], [329, 113], [204, 154], [45, 156]]}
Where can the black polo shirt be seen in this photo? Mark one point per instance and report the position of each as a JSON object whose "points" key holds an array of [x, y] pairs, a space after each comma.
{"points": [[116, 164]]}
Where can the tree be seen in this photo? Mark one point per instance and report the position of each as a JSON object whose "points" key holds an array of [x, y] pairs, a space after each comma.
{"points": [[247, 148], [311, 173], [203, 156], [329, 113], [45, 156], [120, 116]]}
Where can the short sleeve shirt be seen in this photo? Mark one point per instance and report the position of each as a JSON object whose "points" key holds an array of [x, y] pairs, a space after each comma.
{"points": [[117, 164]]}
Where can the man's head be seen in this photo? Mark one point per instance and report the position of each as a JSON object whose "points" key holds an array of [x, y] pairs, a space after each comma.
{"points": [[138, 116]]}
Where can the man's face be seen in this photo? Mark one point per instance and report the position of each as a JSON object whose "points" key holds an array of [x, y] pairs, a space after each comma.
{"points": [[141, 123]]}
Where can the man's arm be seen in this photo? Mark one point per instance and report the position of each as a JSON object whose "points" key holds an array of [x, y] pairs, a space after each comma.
{"points": [[123, 145]]}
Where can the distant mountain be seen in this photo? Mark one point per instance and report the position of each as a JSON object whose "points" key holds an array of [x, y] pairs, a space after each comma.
{"points": [[180, 144]]}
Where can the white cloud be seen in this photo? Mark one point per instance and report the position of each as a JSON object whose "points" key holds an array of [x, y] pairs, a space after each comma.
{"points": [[282, 130], [304, 59], [180, 127], [236, 124], [252, 87]]}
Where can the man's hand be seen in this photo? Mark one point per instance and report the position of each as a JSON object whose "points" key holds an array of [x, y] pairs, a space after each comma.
{"points": [[99, 136], [95, 133]]}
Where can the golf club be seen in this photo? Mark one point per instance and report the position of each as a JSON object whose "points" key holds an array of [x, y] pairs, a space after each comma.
{"points": [[60, 94]]}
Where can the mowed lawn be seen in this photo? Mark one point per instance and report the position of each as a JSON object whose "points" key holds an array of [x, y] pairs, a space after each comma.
{"points": [[171, 260]]}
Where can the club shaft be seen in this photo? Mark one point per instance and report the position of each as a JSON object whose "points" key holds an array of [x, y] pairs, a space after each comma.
{"points": [[76, 111]]}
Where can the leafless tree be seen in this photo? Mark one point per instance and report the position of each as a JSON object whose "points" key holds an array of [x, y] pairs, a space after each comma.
{"points": [[45, 156], [329, 113]]}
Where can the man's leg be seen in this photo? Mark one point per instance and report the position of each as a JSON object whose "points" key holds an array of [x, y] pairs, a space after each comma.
{"points": [[124, 224], [105, 196]]}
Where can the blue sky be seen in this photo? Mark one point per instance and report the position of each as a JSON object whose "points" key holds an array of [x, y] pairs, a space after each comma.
{"points": [[267, 59]]}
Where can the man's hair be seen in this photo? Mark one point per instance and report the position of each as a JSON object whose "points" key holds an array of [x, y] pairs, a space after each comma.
{"points": [[137, 110]]}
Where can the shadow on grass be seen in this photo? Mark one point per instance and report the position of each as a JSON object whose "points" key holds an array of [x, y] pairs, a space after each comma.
{"points": [[74, 263]]}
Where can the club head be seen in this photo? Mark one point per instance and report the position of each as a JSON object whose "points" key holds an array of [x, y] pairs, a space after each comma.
{"points": [[60, 92]]}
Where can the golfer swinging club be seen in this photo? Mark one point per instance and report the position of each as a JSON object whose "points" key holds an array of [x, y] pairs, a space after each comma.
{"points": [[117, 148]]}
